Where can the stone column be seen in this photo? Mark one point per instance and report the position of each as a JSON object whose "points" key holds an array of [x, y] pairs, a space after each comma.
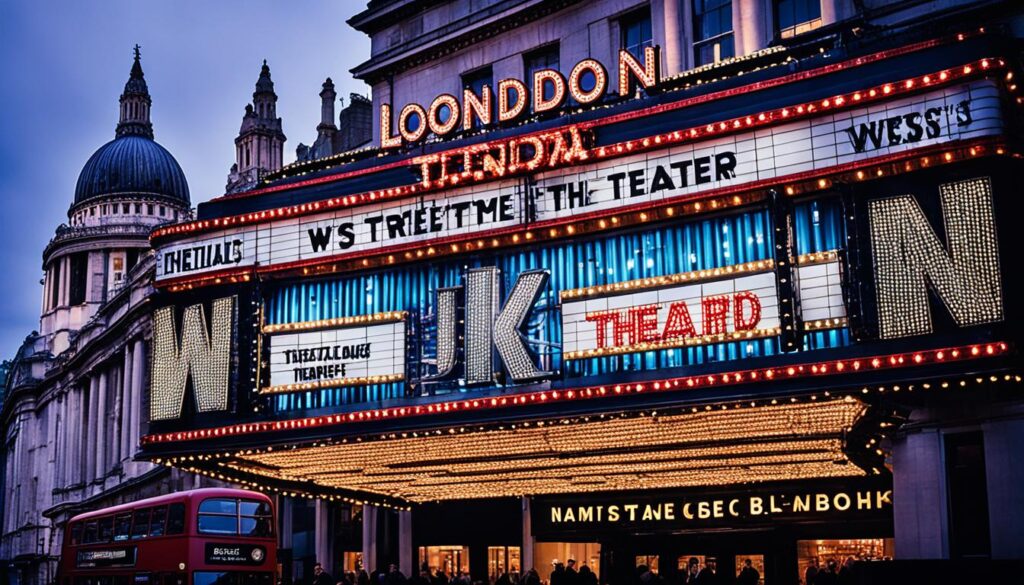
{"points": [[528, 541], [830, 12], [70, 433], [405, 553], [322, 535], [749, 26], [370, 537], [60, 444], [127, 403], [137, 391], [284, 512], [1004, 474], [100, 445], [667, 20], [116, 380], [919, 498], [88, 473]]}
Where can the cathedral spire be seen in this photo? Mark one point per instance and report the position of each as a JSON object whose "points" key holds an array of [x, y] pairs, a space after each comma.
{"points": [[135, 103]]}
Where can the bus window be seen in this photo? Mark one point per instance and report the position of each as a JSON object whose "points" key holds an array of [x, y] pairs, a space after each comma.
{"points": [[255, 518], [89, 534], [176, 519], [156, 522], [76, 533], [218, 516], [122, 526], [140, 528], [106, 529], [230, 578]]}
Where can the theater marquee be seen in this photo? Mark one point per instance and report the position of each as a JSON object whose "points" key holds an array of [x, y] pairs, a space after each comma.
{"points": [[958, 112]]}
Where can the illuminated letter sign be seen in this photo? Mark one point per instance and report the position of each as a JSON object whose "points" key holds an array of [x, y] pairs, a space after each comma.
{"points": [[203, 353], [487, 328], [908, 256], [514, 95]]}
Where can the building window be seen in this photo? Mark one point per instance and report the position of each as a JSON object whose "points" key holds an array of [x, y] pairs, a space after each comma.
{"points": [[543, 58], [55, 284], [475, 81], [636, 33], [793, 17], [451, 559], [712, 31], [79, 274], [502, 560]]}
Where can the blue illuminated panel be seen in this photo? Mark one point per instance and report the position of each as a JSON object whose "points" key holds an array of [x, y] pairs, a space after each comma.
{"points": [[671, 249]]}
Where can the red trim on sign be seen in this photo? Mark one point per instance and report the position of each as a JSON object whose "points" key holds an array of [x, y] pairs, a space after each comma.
{"points": [[816, 369], [975, 146]]}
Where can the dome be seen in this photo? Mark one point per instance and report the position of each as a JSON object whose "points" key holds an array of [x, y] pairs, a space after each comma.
{"points": [[132, 164]]}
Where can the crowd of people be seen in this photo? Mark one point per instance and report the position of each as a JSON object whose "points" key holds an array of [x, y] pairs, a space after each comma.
{"points": [[831, 573], [569, 574]]}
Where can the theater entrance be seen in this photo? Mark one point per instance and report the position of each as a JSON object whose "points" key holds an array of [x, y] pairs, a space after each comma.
{"points": [[774, 531]]}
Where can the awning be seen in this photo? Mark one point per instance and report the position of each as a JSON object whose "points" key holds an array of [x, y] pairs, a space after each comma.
{"points": [[713, 445]]}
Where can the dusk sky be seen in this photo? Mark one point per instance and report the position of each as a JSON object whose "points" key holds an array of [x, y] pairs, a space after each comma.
{"points": [[64, 65]]}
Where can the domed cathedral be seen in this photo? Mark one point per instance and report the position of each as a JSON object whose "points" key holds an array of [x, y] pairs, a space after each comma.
{"points": [[128, 186], [259, 147], [74, 407]]}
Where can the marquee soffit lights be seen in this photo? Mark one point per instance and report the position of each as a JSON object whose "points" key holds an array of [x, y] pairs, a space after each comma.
{"points": [[195, 463], [597, 222], [790, 113], [707, 446], [817, 369]]}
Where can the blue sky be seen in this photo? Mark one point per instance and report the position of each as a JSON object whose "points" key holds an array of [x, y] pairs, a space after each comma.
{"points": [[64, 63]]}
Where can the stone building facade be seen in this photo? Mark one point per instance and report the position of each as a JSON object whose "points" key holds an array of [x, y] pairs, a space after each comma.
{"points": [[74, 404]]}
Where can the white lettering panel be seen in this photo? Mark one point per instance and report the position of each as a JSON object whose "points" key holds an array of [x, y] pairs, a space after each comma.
{"points": [[337, 357], [956, 113], [675, 316]]}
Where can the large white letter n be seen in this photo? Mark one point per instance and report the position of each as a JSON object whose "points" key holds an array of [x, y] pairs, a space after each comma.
{"points": [[206, 354], [909, 256]]}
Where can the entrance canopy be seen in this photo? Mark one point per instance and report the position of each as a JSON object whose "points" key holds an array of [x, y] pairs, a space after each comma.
{"points": [[707, 446]]}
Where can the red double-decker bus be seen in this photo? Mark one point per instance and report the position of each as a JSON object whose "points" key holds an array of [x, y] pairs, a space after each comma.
{"points": [[203, 537]]}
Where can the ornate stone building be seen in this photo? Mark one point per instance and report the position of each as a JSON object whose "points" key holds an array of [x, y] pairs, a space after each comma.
{"points": [[353, 131], [73, 404], [259, 147]]}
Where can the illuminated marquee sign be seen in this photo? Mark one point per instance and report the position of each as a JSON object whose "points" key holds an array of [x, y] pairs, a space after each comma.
{"points": [[959, 112], [203, 355], [488, 326], [909, 256], [447, 114], [342, 356], [696, 308], [553, 515]]}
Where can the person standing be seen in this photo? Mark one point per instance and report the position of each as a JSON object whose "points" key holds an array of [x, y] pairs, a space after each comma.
{"points": [[558, 574], [394, 576], [587, 577], [320, 576], [707, 575], [748, 574], [572, 577], [811, 574]]}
